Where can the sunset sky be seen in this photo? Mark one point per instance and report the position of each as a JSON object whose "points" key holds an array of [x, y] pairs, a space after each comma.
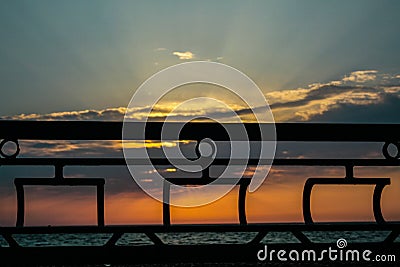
{"points": [[315, 61]]}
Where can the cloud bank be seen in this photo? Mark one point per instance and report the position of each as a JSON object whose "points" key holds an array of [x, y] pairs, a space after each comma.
{"points": [[361, 96], [370, 94]]}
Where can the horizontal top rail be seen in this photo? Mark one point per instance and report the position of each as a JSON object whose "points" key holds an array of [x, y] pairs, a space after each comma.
{"points": [[112, 130]]}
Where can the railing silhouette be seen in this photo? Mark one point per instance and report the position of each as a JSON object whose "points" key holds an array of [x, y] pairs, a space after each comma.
{"points": [[13, 131]]}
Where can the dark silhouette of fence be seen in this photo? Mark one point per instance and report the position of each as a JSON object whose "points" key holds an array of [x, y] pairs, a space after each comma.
{"points": [[13, 131]]}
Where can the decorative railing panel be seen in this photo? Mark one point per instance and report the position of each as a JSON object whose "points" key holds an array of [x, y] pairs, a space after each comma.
{"points": [[15, 131]]}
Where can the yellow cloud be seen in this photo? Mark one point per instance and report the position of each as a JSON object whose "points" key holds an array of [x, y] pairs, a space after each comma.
{"points": [[105, 114], [361, 76], [305, 111], [298, 104], [184, 55], [286, 95]]}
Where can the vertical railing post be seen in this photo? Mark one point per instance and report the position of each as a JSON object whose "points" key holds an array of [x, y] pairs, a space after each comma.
{"points": [[349, 171], [166, 206], [58, 172], [307, 202], [376, 203], [20, 204], [100, 204], [243, 184]]}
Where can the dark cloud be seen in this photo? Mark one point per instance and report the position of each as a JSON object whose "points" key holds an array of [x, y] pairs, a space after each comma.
{"points": [[364, 98], [385, 111]]}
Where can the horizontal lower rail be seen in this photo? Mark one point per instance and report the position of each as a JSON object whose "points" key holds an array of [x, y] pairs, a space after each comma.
{"points": [[218, 161], [232, 253], [217, 228], [60, 182]]}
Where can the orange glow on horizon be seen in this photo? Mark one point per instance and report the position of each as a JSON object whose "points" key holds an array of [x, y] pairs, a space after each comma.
{"points": [[274, 201]]}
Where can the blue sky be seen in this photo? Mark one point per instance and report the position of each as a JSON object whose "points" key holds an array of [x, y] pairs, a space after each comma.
{"points": [[78, 55]]}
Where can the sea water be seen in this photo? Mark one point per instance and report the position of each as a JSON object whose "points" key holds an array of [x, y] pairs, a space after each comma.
{"points": [[190, 238]]}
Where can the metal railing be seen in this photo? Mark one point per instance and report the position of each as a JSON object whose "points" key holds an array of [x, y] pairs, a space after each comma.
{"points": [[14, 131]]}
